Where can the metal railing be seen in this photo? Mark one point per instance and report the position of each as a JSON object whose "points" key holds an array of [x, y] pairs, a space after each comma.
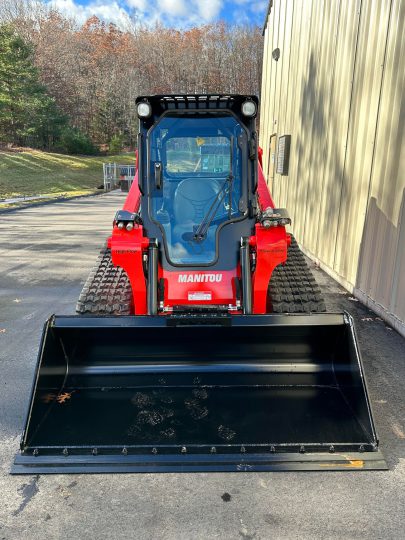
{"points": [[118, 176]]}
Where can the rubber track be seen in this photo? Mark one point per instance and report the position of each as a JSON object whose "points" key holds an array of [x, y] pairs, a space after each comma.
{"points": [[293, 288], [107, 290]]}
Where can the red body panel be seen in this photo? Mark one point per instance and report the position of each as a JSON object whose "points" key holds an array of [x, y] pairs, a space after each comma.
{"points": [[127, 249], [200, 287], [271, 250]]}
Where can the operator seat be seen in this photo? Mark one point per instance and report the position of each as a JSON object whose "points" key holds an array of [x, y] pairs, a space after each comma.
{"points": [[192, 200]]}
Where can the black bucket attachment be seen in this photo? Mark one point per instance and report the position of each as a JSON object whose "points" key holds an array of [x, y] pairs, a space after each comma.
{"points": [[149, 394]]}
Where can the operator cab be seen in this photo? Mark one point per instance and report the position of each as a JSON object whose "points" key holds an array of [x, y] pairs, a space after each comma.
{"points": [[197, 176]]}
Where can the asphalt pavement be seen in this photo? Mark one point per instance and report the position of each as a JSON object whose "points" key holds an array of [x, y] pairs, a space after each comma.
{"points": [[46, 253]]}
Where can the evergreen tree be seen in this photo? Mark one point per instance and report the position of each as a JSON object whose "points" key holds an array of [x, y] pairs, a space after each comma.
{"points": [[27, 114]]}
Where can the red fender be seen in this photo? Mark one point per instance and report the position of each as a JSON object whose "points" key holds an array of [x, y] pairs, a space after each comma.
{"points": [[271, 250], [127, 248]]}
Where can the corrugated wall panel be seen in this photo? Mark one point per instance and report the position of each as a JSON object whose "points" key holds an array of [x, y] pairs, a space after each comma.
{"points": [[321, 134], [268, 105], [306, 110], [381, 267], [265, 80], [281, 114], [336, 125], [338, 89], [297, 147], [367, 80], [277, 70], [315, 104], [289, 182], [280, 68], [274, 72]]}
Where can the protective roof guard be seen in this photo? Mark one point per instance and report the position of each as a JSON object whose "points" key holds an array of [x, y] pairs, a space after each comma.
{"points": [[231, 102]]}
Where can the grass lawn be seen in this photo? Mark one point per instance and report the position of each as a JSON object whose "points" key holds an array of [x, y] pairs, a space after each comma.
{"points": [[33, 172]]}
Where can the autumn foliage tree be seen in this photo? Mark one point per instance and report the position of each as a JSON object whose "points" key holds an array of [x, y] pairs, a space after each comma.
{"points": [[95, 71]]}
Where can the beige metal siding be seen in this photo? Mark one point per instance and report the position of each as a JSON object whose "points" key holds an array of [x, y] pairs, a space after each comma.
{"points": [[338, 89]]}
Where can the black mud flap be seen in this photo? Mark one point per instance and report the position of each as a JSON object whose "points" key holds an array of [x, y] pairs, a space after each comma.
{"points": [[134, 394]]}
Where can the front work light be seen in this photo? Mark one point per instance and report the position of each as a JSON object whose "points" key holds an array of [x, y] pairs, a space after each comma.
{"points": [[144, 109], [249, 108]]}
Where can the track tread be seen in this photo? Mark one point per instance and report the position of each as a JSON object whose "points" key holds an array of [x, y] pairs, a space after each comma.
{"points": [[107, 290], [293, 288]]}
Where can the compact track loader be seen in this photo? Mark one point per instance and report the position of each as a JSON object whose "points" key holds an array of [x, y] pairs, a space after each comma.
{"points": [[201, 341]]}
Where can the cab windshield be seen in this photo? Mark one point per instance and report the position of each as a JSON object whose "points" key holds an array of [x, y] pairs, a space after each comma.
{"points": [[195, 182]]}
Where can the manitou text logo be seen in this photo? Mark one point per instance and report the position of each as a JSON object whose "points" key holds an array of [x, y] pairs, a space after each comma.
{"points": [[200, 278]]}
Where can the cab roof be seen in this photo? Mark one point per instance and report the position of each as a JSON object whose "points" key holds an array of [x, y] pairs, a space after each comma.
{"points": [[178, 102]]}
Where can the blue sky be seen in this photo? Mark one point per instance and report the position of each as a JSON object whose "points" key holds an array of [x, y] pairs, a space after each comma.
{"points": [[174, 13]]}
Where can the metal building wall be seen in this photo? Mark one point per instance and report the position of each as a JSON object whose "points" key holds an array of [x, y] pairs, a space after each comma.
{"points": [[338, 90]]}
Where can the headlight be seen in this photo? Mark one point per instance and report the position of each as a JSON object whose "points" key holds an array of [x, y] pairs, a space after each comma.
{"points": [[144, 109], [249, 108]]}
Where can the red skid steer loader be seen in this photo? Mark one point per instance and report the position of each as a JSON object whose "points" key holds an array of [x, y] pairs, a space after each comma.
{"points": [[201, 342]]}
